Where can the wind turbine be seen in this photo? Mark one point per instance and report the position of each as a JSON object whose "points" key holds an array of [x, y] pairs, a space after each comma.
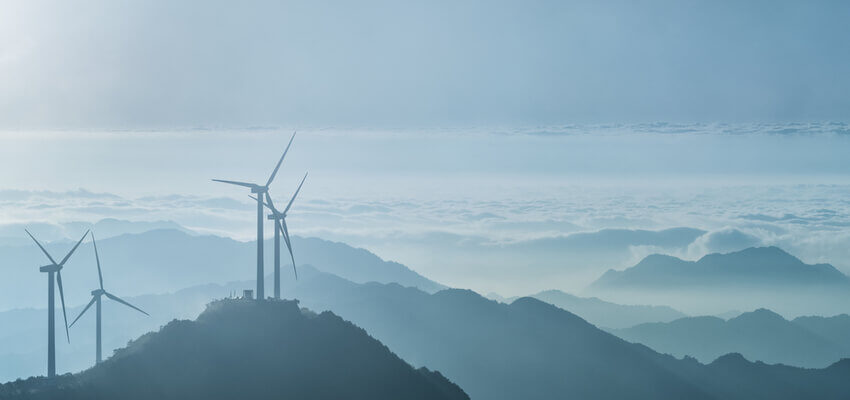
{"points": [[54, 269], [260, 190], [96, 297], [280, 226]]}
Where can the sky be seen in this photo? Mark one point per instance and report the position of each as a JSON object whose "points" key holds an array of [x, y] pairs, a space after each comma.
{"points": [[378, 63], [439, 132]]}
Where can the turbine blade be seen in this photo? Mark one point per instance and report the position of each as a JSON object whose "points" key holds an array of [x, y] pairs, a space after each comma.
{"points": [[97, 258], [93, 299], [289, 246], [62, 297], [264, 203], [40, 246], [74, 249], [114, 297], [296, 194], [277, 167], [246, 184], [270, 203]]}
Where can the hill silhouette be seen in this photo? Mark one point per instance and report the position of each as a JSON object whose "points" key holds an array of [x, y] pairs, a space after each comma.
{"points": [[812, 342], [606, 314], [533, 350], [836, 328], [10, 234], [748, 279], [527, 349], [247, 349], [579, 255], [754, 266], [357, 265], [167, 260]]}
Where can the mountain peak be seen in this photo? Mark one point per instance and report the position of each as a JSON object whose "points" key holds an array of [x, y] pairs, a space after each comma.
{"points": [[730, 360], [660, 259], [533, 306], [556, 292], [769, 254], [760, 316], [751, 267]]}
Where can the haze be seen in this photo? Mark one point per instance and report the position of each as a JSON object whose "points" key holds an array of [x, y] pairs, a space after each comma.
{"points": [[130, 64], [429, 126], [501, 199], [440, 201]]}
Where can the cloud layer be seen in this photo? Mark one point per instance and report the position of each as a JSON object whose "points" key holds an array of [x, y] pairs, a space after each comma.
{"points": [[507, 245], [494, 209]]}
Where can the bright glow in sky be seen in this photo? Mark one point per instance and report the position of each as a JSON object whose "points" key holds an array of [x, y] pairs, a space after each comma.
{"points": [[378, 63]]}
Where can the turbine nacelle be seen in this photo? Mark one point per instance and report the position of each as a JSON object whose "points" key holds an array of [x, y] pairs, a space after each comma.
{"points": [[97, 292], [259, 189], [50, 268]]}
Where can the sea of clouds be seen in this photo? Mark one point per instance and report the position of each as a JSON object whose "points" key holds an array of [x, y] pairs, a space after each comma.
{"points": [[505, 210], [448, 239]]}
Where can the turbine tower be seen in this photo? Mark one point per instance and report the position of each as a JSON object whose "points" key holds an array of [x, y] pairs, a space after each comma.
{"points": [[54, 270], [96, 297], [280, 227], [260, 190]]}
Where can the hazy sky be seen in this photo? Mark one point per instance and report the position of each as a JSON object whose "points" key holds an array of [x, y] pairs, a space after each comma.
{"points": [[108, 64], [429, 124], [442, 200]]}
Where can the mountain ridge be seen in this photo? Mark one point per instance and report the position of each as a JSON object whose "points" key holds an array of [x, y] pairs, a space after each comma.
{"points": [[294, 353], [756, 277], [754, 265], [607, 314], [182, 260], [552, 352], [760, 335], [527, 349]]}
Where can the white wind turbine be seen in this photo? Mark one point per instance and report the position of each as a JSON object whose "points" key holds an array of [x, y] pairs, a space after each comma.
{"points": [[96, 299], [281, 228], [260, 190], [54, 270]]}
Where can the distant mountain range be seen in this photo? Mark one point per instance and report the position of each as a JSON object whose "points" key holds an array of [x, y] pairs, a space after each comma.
{"points": [[755, 266], [606, 314], [569, 259], [532, 350], [357, 265], [602, 313], [241, 349], [12, 234], [750, 278], [813, 342], [527, 349], [166, 260]]}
